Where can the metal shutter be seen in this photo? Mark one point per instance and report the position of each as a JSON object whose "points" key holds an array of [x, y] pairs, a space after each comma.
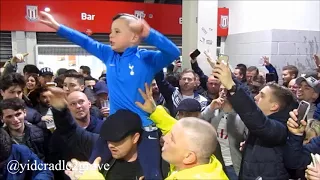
{"points": [[5, 45], [47, 38]]}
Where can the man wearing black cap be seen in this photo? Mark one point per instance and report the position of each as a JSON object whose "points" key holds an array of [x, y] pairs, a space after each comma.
{"points": [[188, 108], [309, 90], [122, 137], [45, 76]]}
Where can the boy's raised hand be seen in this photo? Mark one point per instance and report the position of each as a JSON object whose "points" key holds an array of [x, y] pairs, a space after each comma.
{"points": [[47, 19], [141, 27]]}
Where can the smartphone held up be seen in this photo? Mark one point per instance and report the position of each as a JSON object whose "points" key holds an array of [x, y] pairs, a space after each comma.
{"points": [[303, 110]]}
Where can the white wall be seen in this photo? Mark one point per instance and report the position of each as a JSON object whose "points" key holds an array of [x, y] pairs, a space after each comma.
{"points": [[248, 16]]}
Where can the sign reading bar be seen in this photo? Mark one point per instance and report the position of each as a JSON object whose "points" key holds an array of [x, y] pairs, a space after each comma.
{"points": [[95, 15]]}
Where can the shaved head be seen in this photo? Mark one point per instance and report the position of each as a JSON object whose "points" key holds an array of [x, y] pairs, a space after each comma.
{"points": [[77, 94], [79, 106], [201, 137]]}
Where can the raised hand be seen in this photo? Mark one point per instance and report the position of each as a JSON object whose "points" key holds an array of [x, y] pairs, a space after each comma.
{"points": [[77, 168], [210, 61], [293, 126], [216, 103], [149, 105], [313, 170], [57, 98], [141, 27], [266, 61], [19, 58], [316, 60], [223, 73], [47, 19]]}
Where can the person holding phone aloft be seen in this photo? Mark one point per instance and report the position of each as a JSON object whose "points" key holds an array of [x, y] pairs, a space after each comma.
{"points": [[298, 156]]}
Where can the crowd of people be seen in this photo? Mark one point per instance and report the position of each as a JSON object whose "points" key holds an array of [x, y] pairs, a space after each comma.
{"points": [[138, 122]]}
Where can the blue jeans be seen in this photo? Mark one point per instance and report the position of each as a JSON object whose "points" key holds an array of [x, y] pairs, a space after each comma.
{"points": [[231, 173]]}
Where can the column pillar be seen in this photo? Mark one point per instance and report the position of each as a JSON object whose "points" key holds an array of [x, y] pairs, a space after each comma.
{"points": [[24, 42], [199, 31]]}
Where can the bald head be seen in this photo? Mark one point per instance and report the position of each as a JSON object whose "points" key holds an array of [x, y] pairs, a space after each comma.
{"points": [[79, 106], [201, 137], [77, 95]]}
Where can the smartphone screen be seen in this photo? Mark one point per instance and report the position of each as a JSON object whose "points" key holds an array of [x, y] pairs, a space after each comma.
{"points": [[303, 110], [223, 59], [195, 54]]}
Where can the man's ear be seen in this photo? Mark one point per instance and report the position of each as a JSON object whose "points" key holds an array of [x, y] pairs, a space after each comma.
{"points": [[190, 158], [136, 137], [275, 107], [82, 88], [2, 93], [25, 112]]}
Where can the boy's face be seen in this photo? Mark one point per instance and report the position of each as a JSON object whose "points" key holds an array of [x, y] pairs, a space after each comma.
{"points": [[13, 119], [121, 36], [12, 92]]}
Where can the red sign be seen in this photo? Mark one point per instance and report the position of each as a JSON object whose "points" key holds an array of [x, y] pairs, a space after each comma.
{"points": [[95, 16]]}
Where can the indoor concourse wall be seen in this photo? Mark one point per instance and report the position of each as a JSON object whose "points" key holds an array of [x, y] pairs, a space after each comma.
{"points": [[286, 31]]}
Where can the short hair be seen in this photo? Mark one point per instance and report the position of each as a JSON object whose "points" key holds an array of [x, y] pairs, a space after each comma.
{"points": [[30, 68], [5, 145], [253, 68], [77, 76], [173, 80], [12, 103], [60, 80], [61, 71], [123, 15], [242, 72], [292, 70], [283, 95], [70, 71], [185, 71], [201, 136], [85, 70], [12, 79], [89, 78], [242, 66]]}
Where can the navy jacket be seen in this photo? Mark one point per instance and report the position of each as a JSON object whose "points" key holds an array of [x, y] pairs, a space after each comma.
{"points": [[94, 125], [24, 155], [70, 140], [264, 148], [297, 155], [316, 114], [34, 117], [37, 139]]}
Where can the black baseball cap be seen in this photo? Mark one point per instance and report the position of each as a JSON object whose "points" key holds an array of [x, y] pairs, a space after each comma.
{"points": [[120, 125], [189, 105], [46, 72], [311, 78]]}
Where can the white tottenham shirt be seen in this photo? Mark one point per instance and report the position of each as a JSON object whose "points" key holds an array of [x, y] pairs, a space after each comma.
{"points": [[223, 141]]}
